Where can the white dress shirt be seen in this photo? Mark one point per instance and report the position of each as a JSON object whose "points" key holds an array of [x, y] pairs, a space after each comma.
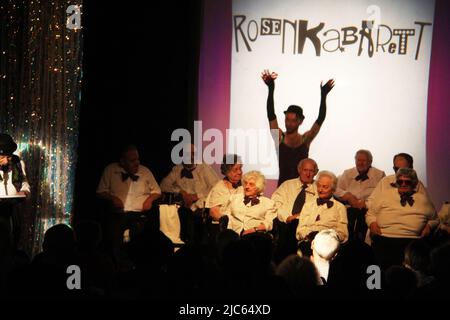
{"points": [[220, 195], [316, 218], [285, 195], [245, 216], [132, 193], [6, 184], [397, 221], [204, 178], [360, 189]]}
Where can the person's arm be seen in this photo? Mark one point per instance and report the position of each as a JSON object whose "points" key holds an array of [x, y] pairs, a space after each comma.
{"points": [[342, 227], [210, 178], [269, 80], [280, 199], [104, 189], [271, 214], [152, 189], [261, 227], [341, 191], [432, 218], [217, 200], [371, 218], [149, 201], [25, 189], [169, 183], [215, 213], [116, 202], [342, 185], [324, 90]]}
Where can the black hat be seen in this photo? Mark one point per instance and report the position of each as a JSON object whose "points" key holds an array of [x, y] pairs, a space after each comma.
{"points": [[7, 145], [297, 110]]}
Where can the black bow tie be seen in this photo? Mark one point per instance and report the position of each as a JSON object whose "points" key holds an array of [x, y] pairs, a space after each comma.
{"points": [[234, 185], [321, 201], [126, 175], [186, 173], [362, 176], [252, 200], [406, 198]]}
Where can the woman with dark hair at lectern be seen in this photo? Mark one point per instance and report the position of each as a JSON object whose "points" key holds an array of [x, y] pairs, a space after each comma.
{"points": [[13, 187]]}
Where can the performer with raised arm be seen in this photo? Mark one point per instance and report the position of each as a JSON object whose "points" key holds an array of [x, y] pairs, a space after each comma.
{"points": [[293, 146]]}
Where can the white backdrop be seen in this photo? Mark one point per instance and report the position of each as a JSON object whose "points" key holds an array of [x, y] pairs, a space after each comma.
{"points": [[379, 103]]}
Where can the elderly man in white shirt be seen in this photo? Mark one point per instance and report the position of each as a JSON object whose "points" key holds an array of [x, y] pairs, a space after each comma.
{"points": [[322, 213], [354, 187], [193, 181], [13, 186], [290, 198], [130, 188], [398, 215]]}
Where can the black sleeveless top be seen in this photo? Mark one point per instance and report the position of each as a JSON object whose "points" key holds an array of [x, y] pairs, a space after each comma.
{"points": [[288, 159]]}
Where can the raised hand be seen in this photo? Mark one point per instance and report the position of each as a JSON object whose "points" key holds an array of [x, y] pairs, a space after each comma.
{"points": [[324, 90], [269, 78]]}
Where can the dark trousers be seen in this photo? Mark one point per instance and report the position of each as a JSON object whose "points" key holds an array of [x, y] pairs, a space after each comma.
{"points": [[116, 224], [286, 240], [11, 218], [357, 226], [192, 224], [389, 251], [305, 248]]}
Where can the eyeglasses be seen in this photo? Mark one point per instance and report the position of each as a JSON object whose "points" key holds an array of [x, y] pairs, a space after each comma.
{"points": [[401, 182]]}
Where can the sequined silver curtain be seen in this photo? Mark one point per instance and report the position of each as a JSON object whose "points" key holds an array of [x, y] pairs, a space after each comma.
{"points": [[40, 88]]}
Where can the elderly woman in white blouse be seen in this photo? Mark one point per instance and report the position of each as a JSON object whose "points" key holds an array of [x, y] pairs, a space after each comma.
{"points": [[220, 194], [249, 211]]}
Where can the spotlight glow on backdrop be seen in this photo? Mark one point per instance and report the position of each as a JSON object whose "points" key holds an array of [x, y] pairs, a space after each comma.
{"points": [[392, 101], [378, 52]]}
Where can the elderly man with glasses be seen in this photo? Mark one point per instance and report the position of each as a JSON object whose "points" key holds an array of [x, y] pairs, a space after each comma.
{"points": [[397, 216]]}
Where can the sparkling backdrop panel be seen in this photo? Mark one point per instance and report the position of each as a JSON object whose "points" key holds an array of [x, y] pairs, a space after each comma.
{"points": [[40, 87]]}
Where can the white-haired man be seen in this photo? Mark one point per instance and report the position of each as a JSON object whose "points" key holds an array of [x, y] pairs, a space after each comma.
{"points": [[354, 187], [289, 199], [193, 181], [250, 211], [323, 213]]}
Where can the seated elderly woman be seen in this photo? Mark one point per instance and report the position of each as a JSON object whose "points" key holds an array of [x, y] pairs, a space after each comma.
{"points": [[220, 194], [249, 211], [322, 213], [397, 216]]}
